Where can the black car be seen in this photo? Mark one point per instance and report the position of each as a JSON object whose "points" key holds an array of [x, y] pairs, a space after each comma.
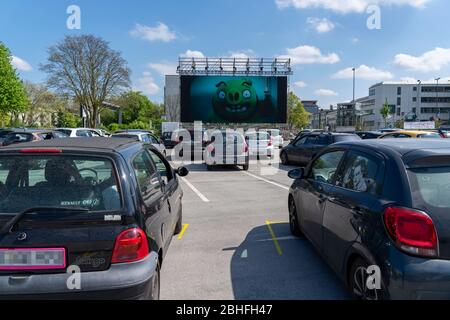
{"points": [[305, 147], [107, 208], [366, 135], [379, 209]]}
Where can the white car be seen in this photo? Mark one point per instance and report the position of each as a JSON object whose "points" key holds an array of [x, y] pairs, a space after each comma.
{"points": [[260, 144], [80, 132], [277, 138], [144, 137]]}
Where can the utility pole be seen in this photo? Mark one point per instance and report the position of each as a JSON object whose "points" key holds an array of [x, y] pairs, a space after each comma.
{"points": [[353, 102], [437, 95]]}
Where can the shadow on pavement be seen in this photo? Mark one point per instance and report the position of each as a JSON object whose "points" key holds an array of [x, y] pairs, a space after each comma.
{"points": [[258, 271]]}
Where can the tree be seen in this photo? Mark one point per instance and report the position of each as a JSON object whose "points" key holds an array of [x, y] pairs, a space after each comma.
{"points": [[13, 98], [138, 107], [298, 117], [86, 68], [385, 111], [66, 119], [43, 104]]}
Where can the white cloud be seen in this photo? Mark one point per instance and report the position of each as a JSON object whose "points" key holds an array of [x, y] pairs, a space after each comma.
{"points": [[21, 64], [320, 25], [347, 6], [193, 54], [245, 54], [408, 79], [325, 93], [365, 73], [310, 55], [300, 84], [163, 68], [147, 85], [159, 33], [433, 60], [354, 40]]}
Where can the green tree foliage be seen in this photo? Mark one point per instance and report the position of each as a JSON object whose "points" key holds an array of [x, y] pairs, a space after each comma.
{"points": [[13, 98], [138, 112], [66, 119], [298, 117], [385, 111]]}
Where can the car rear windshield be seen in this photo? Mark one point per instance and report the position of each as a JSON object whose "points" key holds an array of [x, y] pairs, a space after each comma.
{"points": [[66, 132], [429, 136], [351, 137], [58, 181], [431, 186]]}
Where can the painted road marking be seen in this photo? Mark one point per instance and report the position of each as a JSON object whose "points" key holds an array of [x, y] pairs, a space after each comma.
{"points": [[198, 193], [280, 239], [267, 181], [274, 238], [180, 236]]}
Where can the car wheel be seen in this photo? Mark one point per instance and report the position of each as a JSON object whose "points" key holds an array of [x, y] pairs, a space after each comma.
{"points": [[358, 282], [293, 219], [156, 285], [245, 167], [284, 158], [179, 226]]}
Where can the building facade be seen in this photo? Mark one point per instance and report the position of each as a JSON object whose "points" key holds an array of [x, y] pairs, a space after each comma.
{"points": [[421, 101]]}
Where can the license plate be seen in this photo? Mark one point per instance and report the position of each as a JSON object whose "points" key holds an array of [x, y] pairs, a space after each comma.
{"points": [[32, 259]]}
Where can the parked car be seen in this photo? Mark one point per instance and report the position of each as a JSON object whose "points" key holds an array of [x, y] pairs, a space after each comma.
{"points": [[411, 134], [260, 144], [79, 132], [305, 147], [227, 148], [365, 135], [169, 143], [381, 204], [28, 135], [143, 137], [108, 209], [277, 138], [4, 133], [189, 141]]}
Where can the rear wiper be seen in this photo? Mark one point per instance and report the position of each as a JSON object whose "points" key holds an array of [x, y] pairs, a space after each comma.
{"points": [[8, 227]]}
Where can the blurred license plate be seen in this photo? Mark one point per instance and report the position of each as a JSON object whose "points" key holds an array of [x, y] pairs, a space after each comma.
{"points": [[32, 259]]}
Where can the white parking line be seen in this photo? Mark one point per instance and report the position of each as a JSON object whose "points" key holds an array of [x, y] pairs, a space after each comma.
{"points": [[268, 181], [198, 193]]}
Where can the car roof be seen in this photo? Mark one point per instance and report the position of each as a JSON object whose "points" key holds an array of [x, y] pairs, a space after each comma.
{"points": [[401, 146], [89, 144], [416, 132]]}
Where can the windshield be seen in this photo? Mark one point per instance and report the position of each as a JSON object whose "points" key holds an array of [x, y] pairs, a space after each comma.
{"points": [[429, 136], [58, 181]]}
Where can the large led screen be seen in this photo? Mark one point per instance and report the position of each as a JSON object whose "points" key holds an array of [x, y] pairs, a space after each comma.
{"points": [[238, 99]]}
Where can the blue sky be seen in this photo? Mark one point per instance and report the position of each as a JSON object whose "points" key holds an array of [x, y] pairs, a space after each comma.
{"points": [[324, 38]]}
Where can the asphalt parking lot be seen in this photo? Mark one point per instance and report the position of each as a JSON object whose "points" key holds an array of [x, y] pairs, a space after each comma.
{"points": [[236, 242]]}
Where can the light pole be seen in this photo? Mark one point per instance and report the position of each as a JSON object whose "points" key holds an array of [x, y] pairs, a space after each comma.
{"points": [[353, 102], [419, 82]]}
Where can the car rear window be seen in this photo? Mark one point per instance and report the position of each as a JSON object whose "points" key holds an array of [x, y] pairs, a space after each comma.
{"points": [[431, 186], [58, 181], [429, 136], [343, 138]]}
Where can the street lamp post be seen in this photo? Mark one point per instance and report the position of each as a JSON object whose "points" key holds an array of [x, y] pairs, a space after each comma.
{"points": [[418, 93], [353, 102]]}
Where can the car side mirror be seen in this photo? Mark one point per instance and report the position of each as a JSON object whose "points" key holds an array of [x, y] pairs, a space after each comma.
{"points": [[182, 171], [297, 174]]}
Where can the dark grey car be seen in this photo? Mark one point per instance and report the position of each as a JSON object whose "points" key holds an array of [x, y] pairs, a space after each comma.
{"points": [[377, 210]]}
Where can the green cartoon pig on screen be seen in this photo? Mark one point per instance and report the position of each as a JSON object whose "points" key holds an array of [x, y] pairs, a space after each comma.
{"points": [[235, 100]]}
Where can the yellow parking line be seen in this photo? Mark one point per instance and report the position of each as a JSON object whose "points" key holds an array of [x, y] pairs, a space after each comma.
{"points": [[180, 236], [278, 222], [274, 238]]}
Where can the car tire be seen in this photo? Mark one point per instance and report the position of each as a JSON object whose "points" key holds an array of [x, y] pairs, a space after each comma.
{"points": [[245, 167], [293, 219], [284, 158], [179, 226], [154, 289], [357, 282]]}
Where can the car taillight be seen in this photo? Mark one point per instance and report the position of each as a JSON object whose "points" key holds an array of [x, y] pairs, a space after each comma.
{"points": [[270, 142], [41, 151], [245, 147], [412, 231], [131, 245]]}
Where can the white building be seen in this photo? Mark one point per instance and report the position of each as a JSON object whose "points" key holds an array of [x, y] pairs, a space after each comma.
{"points": [[408, 101]]}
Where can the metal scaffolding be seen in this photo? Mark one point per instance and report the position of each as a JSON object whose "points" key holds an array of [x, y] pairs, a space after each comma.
{"points": [[277, 67]]}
